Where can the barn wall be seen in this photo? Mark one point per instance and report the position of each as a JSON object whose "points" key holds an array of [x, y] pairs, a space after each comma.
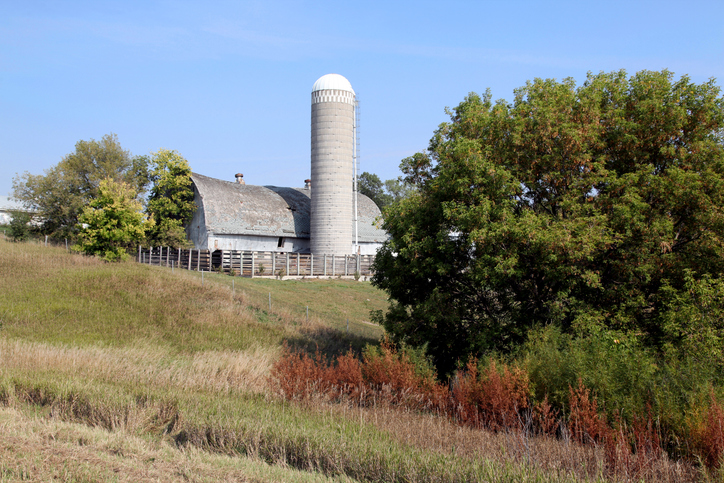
{"points": [[257, 243], [196, 229], [369, 248]]}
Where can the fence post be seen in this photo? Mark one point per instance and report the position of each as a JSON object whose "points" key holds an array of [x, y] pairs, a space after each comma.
{"points": [[253, 266], [334, 269], [307, 313], [287, 266], [269, 301], [191, 253], [198, 260], [345, 265], [325, 265], [311, 264], [299, 263], [274, 263], [179, 256], [139, 251]]}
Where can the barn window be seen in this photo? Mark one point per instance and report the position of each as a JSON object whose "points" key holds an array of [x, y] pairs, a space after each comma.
{"points": [[280, 243]]}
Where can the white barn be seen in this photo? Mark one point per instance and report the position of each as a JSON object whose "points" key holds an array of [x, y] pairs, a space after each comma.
{"points": [[7, 206], [236, 216]]}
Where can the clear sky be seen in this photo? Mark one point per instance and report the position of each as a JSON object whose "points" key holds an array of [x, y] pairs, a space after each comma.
{"points": [[228, 84]]}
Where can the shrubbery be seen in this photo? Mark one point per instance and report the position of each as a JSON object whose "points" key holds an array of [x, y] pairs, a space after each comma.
{"points": [[587, 389]]}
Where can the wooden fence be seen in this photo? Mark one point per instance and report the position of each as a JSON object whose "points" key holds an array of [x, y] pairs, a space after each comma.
{"points": [[259, 264]]}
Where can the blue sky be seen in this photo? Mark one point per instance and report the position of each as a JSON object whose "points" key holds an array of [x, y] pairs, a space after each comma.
{"points": [[227, 84]]}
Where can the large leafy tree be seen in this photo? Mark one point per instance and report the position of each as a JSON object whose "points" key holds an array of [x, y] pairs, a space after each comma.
{"points": [[113, 222], [59, 195], [587, 207], [171, 200]]}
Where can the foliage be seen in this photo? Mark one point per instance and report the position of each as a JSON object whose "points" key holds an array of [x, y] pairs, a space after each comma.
{"points": [[629, 381], [60, 195], [171, 201], [616, 367], [383, 193], [582, 207], [19, 226], [112, 223], [371, 185]]}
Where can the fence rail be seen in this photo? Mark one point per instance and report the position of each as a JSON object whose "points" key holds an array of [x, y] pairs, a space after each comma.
{"points": [[248, 263]]}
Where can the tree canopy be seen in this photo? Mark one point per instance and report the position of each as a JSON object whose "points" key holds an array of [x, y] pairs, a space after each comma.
{"points": [[599, 206], [113, 222], [382, 193], [171, 201], [59, 195]]}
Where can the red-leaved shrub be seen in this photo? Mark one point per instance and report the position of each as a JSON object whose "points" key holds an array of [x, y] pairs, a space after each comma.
{"points": [[545, 417], [393, 377], [297, 375], [493, 399], [585, 423], [711, 435]]}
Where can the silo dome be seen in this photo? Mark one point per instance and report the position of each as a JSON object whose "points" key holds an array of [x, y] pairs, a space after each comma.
{"points": [[332, 81]]}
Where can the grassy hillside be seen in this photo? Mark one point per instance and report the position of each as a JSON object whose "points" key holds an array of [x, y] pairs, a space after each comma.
{"points": [[124, 372]]}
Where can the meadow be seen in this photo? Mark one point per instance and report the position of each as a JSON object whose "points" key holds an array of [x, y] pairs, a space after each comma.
{"points": [[125, 372]]}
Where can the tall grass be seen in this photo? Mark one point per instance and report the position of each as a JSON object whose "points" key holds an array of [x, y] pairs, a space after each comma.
{"points": [[140, 351], [148, 355], [43, 449]]}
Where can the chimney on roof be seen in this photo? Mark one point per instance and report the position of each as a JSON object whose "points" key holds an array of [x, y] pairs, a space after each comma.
{"points": [[307, 184], [240, 178]]}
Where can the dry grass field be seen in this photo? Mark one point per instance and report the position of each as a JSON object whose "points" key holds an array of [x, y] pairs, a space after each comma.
{"points": [[124, 372]]}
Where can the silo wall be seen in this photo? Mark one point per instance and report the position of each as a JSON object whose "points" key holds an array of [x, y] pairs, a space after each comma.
{"points": [[332, 171]]}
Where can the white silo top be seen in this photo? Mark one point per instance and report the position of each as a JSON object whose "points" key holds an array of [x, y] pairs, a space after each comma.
{"points": [[332, 81]]}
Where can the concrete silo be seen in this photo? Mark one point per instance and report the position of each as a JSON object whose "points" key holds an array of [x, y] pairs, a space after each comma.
{"points": [[333, 142]]}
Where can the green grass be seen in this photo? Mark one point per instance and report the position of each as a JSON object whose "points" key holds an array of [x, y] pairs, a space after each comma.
{"points": [[332, 300], [148, 355], [48, 295]]}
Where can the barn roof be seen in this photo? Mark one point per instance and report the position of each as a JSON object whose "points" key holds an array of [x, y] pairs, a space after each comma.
{"points": [[242, 209], [8, 204]]}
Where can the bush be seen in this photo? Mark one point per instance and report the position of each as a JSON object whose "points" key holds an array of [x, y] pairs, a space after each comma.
{"points": [[615, 367], [19, 227], [631, 386], [493, 398]]}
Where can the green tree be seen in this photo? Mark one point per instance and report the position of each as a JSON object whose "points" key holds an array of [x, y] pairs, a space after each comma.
{"points": [[171, 201], [383, 193], [586, 207], [113, 222], [397, 189], [19, 227], [59, 196], [371, 185]]}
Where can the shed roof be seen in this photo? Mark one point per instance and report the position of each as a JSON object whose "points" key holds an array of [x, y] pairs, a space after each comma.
{"points": [[242, 209]]}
